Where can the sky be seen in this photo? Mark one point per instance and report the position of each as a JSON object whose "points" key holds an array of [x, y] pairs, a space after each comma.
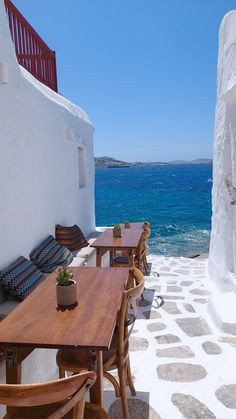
{"points": [[143, 70]]}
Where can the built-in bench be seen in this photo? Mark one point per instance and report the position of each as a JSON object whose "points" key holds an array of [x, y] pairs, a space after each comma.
{"points": [[84, 257]]}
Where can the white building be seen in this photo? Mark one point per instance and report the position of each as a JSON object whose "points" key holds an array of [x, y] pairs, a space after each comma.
{"points": [[46, 158], [222, 260]]}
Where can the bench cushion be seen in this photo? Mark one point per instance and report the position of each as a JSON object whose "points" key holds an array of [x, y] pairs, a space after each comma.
{"points": [[20, 278], [77, 262], [71, 237], [86, 252], [50, 254]]}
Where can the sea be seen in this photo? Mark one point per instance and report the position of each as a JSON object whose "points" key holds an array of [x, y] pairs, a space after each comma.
{"points": [[175, 199]]}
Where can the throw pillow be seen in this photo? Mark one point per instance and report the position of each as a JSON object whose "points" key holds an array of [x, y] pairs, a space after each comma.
{"points": [[71, 237], [50, 254], [20, 278]]}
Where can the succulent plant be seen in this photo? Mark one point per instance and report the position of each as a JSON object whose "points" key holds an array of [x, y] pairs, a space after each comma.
{"points": [[64, 276], [116, 225]]}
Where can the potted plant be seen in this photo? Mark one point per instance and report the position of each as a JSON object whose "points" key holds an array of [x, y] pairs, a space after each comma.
{"points": [[66, 287], [127, 224], [117, 230]]}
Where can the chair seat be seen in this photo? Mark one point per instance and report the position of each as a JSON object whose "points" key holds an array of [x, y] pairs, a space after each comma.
{"points": [[79, 359], [37, 412], [121, 259], [91, 411]]}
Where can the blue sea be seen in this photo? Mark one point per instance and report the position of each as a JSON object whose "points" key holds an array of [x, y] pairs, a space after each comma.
{"points": [[176, 200]]}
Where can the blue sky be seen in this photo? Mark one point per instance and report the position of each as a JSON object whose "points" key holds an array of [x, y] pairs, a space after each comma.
{"points": [[143, 70]]}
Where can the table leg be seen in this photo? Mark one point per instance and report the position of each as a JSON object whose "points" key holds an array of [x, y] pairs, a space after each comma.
{"points": [[96, 391], [98, 258], [13, 367], [131, 258], [13, 372]]}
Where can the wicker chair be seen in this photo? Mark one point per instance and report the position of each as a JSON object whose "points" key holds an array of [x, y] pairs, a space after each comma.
{"points": [[118, 355]]}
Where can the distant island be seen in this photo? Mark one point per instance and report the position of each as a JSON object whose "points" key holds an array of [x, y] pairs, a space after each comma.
{"points": [[110, 162]]}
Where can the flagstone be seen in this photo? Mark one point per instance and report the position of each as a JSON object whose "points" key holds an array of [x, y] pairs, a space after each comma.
{"points": [[181, 372], [151, 314], [182, 271], [188, 307], [200, 300], [172, 282], [171, 307], [194, 326], [138, 343], [138, 409], [226, 394], [211, 348], [155, 327], [168, 275], [174, 288], [186, 283], [190, 407], [169, 338], [175, 352], [229, 339], [200, 292]]}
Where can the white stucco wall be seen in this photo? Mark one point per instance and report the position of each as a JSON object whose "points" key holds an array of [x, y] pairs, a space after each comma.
{"points": [[40, 132], [222, 260]]}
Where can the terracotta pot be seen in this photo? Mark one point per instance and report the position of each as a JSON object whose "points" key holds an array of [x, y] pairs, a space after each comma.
{"points": [[127, 225], [116, 232], [66, 294]]}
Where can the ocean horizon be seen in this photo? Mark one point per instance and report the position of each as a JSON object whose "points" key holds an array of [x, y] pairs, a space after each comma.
{"points": [[175, 199]]}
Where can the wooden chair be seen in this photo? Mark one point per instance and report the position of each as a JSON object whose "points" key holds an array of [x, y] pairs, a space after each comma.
{"points": [[118, 355], [52, 400], [140, 259]]}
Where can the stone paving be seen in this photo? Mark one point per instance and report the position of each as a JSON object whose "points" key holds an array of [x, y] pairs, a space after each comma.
{"points": [[183, 366]]}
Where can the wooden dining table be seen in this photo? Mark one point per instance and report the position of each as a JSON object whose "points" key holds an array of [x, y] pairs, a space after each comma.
{"points": [[37, 322], [128, 242]]}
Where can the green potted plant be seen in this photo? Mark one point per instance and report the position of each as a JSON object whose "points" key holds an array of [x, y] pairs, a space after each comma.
{"points": [[66, 287], [127, 224], [116, 230]]}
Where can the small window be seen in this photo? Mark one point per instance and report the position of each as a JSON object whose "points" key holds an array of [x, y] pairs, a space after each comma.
{"points": [[82, 176]]}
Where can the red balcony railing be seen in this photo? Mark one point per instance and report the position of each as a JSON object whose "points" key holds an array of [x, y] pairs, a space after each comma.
{"points": [[31, 51]]}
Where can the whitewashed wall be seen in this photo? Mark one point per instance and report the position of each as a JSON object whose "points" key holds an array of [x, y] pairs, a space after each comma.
{"points": [[222, 261], [40, 132]]}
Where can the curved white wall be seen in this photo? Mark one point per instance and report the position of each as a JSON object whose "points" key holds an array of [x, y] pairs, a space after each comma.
{"points": [[222, 260], [40, 133]]}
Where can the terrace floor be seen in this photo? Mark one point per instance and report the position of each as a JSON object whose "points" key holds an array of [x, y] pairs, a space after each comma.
{"points": [[183, 366]]}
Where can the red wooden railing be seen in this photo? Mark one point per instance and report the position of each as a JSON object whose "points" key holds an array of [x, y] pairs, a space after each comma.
{"points": [[31, 51]]}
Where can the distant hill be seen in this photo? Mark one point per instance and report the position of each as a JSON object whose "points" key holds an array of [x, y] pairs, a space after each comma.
{"points": [[110, 162], [197, 161]]}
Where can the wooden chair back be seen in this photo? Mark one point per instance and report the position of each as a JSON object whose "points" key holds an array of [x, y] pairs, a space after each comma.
{"points": [[128, 310], [72, 390]]}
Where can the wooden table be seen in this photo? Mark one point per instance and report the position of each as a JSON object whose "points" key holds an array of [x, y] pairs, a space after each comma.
{"points": [[128, 241], [38, 323]]}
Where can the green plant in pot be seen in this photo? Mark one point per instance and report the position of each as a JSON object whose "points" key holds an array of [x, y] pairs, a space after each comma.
{"points": [[66, 287], [116, 230], [127, 224]]}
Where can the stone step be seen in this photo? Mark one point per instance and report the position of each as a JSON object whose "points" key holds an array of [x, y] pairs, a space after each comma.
{"points": [[221, 308]]}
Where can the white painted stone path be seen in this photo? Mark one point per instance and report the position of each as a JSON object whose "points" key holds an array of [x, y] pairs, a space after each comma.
{"points": [[212, 361]]}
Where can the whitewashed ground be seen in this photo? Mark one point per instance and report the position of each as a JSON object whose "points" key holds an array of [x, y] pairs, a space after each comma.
{"points": [[194, 372]]}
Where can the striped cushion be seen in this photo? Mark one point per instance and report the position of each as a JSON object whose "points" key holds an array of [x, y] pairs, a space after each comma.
{"points": [[71, 237], [50, 254], [20, 278]]}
